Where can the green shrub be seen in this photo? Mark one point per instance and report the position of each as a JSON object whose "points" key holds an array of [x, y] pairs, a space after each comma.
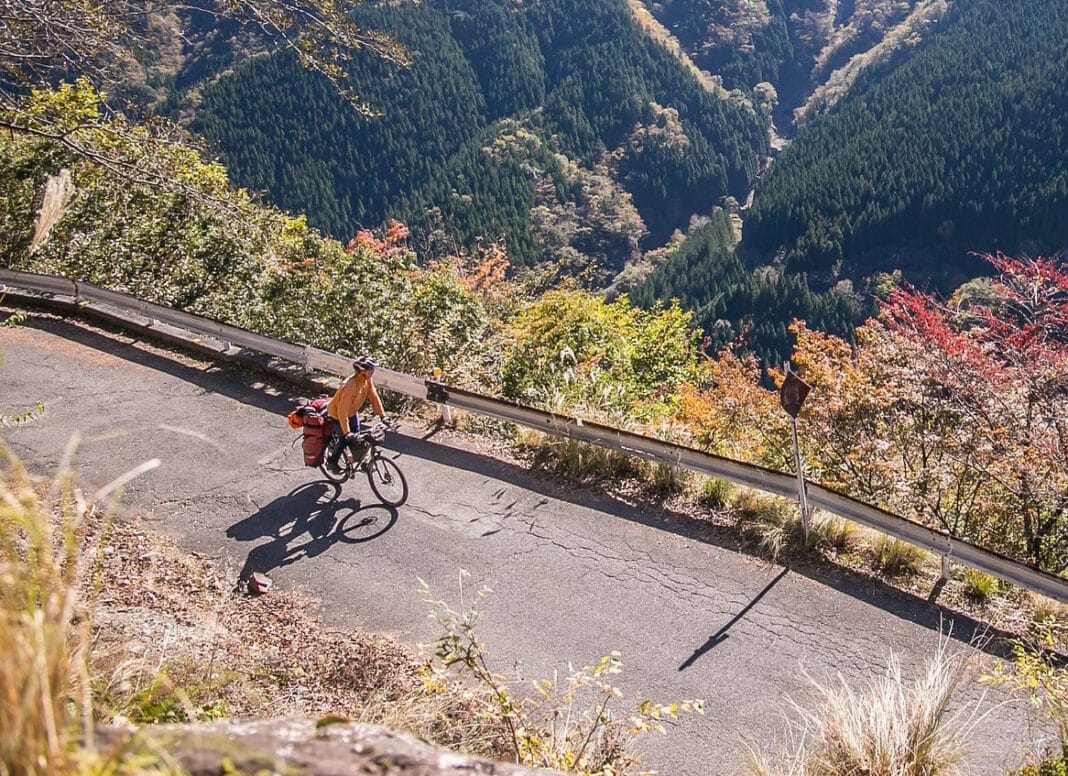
{"points": [[164, 701], [1036, 672], [897, 558], [715, 493], [572, 349], [1053, 764], [979, 587]]}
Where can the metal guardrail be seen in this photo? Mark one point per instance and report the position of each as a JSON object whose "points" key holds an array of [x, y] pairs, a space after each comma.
{"points": [[309, 358], [87, 292], [767, 480], [760, 478]]}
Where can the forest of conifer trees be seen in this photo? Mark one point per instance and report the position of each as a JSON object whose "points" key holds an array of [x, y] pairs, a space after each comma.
{"points": [[564, 133], [960, 148], [736, 306], [581, 77]]}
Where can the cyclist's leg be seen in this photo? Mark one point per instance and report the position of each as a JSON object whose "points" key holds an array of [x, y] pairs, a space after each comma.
{"points": [[356, 448], [335, 456]]}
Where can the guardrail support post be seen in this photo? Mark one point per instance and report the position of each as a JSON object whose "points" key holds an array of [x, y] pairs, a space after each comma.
{"points": [[802, 495], [446, 411], [947, 564]]}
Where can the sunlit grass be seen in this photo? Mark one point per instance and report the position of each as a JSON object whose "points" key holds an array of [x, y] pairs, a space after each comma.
{"points": [[44, 700], [896, 558], [889, 726], [47, 547]]}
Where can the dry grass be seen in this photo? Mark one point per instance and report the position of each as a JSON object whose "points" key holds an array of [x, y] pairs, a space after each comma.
{"points": [[889, 727], [41, 687], [50, 542], [835, 532], [897, 558], [578, 463]]}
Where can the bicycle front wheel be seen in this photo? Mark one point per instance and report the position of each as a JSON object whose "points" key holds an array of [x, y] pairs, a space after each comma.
{"points": [[387, 480]]}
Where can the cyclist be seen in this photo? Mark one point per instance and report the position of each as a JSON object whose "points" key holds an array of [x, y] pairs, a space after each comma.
{"points": [[344, 408]]}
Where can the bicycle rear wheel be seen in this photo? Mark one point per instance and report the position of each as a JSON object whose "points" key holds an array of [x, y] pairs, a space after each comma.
{"points": [[387, 480], [346, 470]]}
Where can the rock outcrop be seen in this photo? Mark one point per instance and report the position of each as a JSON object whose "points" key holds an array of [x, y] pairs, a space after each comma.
{"points": [[299, 746]]}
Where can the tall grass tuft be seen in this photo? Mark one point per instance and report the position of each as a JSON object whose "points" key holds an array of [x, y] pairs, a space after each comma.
{"points": [[42, 687], [835, 532], [775, 524], [715, 493], [889, 727], [667, 480], [46, 546], [897, 558], [979, 587]]}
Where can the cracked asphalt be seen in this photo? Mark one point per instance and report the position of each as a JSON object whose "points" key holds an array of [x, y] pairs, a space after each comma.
{"points": [[574, 576]]}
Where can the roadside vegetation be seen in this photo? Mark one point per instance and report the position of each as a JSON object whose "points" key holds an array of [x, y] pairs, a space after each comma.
{"points": [[888, 726], [103, 622]]}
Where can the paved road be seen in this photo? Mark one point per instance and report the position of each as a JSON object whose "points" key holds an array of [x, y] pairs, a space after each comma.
{"points": [[574, 576]]}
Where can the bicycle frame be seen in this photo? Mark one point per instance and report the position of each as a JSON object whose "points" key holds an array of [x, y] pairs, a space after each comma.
{"points": [[383, 474]]}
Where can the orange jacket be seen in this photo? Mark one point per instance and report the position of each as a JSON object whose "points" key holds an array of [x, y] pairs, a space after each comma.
{"points": [[350, 396]]}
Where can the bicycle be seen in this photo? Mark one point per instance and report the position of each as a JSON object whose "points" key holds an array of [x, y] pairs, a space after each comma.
{"points": [[385, 476]]}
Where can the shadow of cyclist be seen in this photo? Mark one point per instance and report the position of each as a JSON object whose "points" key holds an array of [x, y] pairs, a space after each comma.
{"points": [[305, 523]]}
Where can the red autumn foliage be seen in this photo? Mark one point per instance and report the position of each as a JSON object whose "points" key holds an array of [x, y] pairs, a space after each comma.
{"points": [[392, 239], [1001, 363]]}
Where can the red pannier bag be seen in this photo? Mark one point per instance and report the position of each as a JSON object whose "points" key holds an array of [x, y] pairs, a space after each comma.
{"points": [[312, 419], [314, 442]]}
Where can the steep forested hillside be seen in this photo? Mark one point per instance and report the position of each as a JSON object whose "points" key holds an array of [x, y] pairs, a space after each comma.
{"points": [[810, 51], [557, 126], [730, 302], [962, 147], [571, 135]]}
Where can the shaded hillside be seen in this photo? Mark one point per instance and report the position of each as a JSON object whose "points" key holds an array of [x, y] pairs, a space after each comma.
{"points": [[558, 127], [960, 148], [730, 303]]}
